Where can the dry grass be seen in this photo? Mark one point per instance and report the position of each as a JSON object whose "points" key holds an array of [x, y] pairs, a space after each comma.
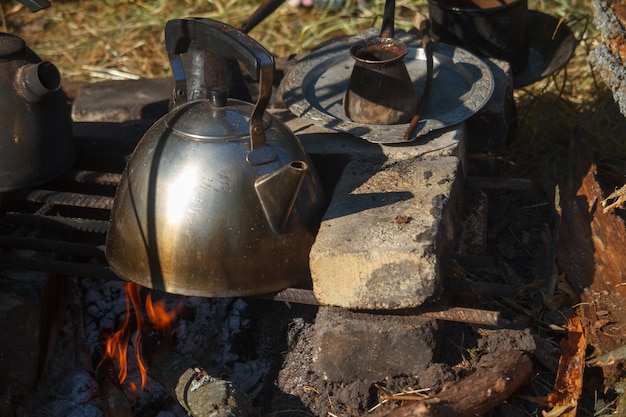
{"points": [[96, 39], [92, 40]]}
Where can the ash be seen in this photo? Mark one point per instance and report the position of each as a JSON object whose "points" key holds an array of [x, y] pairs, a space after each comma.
{"points": [[240, 340]]}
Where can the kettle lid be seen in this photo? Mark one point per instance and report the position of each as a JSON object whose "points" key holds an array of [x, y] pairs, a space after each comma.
{"points": [[201, 120], [10, 44]]}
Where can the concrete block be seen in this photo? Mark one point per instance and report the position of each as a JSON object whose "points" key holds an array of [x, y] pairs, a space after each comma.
{"points": [[31, 304], [355, 345], [388, 232]]}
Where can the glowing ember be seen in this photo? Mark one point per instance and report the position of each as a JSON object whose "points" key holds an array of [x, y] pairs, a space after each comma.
{"points": [[153, 317]]}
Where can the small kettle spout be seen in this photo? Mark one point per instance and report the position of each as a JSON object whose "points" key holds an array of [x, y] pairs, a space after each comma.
{"points": [[37, 80], [278, 191]]}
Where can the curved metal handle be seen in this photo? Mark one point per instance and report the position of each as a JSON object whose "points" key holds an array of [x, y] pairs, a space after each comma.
{"points": [[227, 42]]}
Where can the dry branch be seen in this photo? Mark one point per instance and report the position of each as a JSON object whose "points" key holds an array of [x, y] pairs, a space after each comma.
{"points": [[447, 313], [200, 394], [114, 401], [489, 386]]}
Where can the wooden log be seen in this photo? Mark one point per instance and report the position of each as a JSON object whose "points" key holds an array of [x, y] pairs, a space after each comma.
{"points": [[114, 401], [490, 385], [31, 307], [199, 393]]}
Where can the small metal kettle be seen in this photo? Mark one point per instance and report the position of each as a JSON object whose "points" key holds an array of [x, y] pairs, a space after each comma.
{"points": [[36, 141], [219, 198]]}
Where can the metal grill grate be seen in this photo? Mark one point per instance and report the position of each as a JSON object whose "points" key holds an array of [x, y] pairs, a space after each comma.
{"points": [[67, 218]]}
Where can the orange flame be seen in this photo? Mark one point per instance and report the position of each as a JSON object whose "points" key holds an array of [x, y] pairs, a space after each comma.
{"points": [[157, 316]]}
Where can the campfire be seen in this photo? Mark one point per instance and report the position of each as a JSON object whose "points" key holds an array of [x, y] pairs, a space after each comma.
{"points": [[140, 354]]}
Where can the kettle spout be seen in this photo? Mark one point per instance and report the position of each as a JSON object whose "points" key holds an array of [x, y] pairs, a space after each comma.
{"points": [[278, 191], [37, 80]]}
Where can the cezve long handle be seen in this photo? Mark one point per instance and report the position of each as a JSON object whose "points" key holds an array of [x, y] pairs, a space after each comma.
{"points": [[427, 45]]}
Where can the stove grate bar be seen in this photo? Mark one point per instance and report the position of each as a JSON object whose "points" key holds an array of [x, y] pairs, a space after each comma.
{"points": [[74, 269], [57, 222], [67, 199], [56, 246]]}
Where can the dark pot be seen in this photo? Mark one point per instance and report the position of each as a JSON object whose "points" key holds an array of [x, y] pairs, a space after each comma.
{"points": [[36, 140], [491, 28]]}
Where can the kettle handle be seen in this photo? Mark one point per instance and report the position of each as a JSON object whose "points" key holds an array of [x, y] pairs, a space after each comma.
{"points": [[227, 42]]}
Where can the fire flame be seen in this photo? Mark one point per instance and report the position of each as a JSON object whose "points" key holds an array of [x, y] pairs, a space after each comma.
{"points": [[152, 315]]}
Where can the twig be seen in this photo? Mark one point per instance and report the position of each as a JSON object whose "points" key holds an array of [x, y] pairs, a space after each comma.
{"points": [[609, 358]]}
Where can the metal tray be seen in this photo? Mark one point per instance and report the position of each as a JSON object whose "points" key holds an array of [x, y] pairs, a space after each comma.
{"points": [[462, 83]]}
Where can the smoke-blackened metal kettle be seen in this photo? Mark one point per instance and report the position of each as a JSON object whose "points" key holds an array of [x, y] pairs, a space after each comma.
{"points": [[219, 198], [36, 141]]}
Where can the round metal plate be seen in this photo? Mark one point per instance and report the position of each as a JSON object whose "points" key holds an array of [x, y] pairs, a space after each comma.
{"points": [[314, 89]]}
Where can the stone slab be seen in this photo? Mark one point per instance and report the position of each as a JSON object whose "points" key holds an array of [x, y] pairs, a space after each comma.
{"points": [[354, 345]]}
